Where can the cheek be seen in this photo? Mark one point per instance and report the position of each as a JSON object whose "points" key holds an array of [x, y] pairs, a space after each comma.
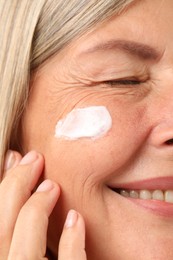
{"points": [[85, 161], [90, 161]]}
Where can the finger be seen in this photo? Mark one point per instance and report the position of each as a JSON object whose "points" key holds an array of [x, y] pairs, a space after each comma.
{"points": [[15, 190], [72, 242], [12, 159], [31, 226]]}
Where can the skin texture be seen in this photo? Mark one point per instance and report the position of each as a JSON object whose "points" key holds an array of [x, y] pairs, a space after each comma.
{"points": [[134, 149]]}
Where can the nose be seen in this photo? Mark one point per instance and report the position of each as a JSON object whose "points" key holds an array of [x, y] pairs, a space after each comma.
{"points": [[161, 115], [162, 134]]}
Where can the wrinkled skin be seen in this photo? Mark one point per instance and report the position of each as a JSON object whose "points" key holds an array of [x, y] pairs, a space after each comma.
{"points": [[135, 149]]}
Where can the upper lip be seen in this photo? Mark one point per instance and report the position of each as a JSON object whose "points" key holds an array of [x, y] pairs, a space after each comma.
{"points": [[161, 183]]}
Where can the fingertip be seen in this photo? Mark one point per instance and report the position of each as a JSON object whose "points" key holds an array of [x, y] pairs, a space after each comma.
{"points": [[30, 157], [48, 185], [33, 159], [18, 158], [71, 219], [72, 241], [12, 159], [81, 223]]}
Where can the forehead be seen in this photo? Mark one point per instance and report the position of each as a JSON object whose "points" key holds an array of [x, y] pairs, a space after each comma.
{"points": [[148, 22], [145, 22]]}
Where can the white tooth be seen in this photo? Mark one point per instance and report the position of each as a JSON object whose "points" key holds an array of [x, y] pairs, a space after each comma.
{"points": [[169, 196], [124, 193], [134, 194], [145, 195], [157, 195]]}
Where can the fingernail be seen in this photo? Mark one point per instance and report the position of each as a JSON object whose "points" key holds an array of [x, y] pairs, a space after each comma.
{"points": [[71, 219], [9, 160], [46, 185], [29, 158]]}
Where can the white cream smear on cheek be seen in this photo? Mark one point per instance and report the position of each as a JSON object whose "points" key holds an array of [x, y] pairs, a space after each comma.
{"points": [[88, 122]]}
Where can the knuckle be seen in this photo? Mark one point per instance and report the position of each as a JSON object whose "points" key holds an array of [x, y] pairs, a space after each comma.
{"points": [[17, 178], [34, 211], [16, 183]]}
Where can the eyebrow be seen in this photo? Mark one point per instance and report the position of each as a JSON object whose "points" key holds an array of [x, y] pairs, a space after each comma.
{"points": [[140, 50]]}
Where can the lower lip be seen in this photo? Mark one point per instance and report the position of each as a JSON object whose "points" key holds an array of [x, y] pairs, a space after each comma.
{"points": [[157, 207]]}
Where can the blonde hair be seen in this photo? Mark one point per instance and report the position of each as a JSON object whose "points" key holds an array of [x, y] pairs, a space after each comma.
{"points": [[30, 33]]}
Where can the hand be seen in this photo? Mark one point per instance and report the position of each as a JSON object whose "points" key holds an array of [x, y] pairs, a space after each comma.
{"points": [[24, 215]]}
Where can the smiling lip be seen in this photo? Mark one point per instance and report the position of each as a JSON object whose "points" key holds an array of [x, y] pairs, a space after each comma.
{"points": [[161, 183], [160, 208]]}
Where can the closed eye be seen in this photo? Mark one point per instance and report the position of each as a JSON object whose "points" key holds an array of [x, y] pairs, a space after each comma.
{"points": [[126, 82]]}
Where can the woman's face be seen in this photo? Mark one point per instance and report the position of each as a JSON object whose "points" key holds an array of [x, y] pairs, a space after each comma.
{"points": [[125, 65]]}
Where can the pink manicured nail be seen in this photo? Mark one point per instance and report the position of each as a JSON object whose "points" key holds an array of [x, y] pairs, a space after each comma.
{"points": [[71, 219], [46, 185], [29, 158], [9, 160]]}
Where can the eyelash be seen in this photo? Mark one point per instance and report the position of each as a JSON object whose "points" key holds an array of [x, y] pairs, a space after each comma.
{"points": [[125, 82]]}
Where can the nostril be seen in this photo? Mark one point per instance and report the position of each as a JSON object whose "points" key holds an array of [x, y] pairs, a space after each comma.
{"points": [[169, 142], [162, 135]]}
